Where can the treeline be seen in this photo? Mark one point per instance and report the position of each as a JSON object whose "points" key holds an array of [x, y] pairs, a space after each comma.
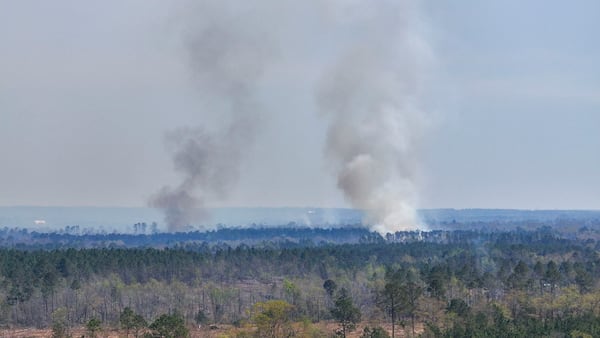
{"points": [[284, 236], [446, 284], [291, 234], [73, 237], [277, 237]]}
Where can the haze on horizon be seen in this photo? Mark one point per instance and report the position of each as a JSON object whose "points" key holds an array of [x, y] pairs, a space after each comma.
{"points": [[88, 90]]}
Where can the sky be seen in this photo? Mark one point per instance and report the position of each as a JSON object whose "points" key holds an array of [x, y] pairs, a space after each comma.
{"points": [[89, 90]]}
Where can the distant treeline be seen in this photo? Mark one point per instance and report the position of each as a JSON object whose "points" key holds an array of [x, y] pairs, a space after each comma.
{"points": [[289, 235]]}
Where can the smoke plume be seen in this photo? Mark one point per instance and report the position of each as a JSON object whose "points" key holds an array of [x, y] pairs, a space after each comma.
{"points": [[371, 97], [369, 58], [228, 50]]}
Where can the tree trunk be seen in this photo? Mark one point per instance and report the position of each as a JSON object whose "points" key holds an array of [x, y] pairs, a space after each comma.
{"points": [[393, 323]]}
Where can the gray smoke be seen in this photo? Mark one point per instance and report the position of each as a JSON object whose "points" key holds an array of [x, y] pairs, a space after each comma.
{"points": [[371, 97], [228, 51], [370, 58]]}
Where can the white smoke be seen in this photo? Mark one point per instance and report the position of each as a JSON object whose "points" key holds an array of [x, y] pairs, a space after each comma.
{"points": [[371, 78], [371, 97]]}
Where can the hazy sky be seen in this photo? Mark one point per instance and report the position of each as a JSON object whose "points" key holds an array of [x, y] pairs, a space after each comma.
{"points": [[88, 90]]}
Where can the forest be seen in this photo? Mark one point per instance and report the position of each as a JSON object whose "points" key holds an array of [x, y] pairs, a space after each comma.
{"points": [[300, 282]]}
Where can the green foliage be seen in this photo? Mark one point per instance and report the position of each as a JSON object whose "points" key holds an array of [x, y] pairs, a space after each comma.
{"points": [[345, 313], [498, 325], [552, 275], [219, 296], [330, 287], [292, 292], [520, 277], [93, 326], [272, 318], [201, 317], [579, 334], [399, 296], [459, 307], [374, 332], [437, 279], [60, 328], [542, 284], [131, 321], [170, 326]]}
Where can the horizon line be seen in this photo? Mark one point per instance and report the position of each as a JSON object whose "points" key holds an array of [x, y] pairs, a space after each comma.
{"points": [[299, 207]]}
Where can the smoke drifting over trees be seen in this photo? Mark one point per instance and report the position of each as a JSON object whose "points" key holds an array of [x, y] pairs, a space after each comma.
{"points": [[367, 90]]}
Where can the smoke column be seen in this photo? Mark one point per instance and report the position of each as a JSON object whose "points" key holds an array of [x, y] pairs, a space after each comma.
{"points": [[228, 50], [369, 59], [370, 96]]}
